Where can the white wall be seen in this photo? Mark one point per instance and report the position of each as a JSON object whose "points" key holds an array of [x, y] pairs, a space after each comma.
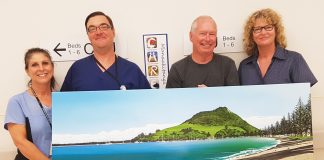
{"points": [[43, 23]]}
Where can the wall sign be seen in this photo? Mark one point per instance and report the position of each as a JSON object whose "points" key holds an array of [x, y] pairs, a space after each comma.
{"points": [[68, 50], [62, 50], [227, 42], [156, 59]]}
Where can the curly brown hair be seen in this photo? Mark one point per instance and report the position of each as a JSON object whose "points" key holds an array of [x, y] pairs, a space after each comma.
{"points": [[271, 17]]}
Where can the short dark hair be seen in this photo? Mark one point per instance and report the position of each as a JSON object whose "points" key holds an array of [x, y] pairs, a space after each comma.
{"points": [[98, 13], [30, 52]]}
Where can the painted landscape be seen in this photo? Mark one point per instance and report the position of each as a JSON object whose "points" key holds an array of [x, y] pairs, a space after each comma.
{"points": [[242, 122], [218, 123]]}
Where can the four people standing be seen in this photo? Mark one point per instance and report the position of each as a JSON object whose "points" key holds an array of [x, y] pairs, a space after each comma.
{"points": [[28, 115]]}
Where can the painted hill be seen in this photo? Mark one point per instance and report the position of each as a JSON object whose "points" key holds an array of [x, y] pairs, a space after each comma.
{"points": [[218, 123], [220, 117]]}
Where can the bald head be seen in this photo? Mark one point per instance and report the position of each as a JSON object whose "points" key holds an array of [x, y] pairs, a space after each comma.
{"points": [[200, 20]]}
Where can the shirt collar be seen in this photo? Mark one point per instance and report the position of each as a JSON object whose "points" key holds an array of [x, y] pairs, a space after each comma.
{"points": [[279, 54]]}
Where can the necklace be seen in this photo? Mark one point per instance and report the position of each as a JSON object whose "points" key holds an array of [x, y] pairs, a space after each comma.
{"points": [[41, 106]]}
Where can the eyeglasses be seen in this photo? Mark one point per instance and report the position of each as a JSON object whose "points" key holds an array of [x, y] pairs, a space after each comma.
{"points": [[102, 27], [268, 27]]}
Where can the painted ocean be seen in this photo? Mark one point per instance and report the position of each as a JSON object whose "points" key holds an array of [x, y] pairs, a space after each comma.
{"points": [[177, 150]]}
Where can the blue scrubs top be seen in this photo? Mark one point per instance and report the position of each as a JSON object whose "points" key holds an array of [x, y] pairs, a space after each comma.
{"points": [[85, 75], [286, 67], [24, 105]]}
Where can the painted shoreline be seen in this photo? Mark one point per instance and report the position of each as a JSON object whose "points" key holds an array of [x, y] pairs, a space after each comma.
{"points": [[285, 150]]}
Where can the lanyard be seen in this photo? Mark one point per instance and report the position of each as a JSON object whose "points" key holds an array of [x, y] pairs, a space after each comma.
{"points": [[122, 87], [41, 106]]}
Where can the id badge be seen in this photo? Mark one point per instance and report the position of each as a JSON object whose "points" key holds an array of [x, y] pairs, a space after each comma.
{"points": [[50, 155], [122, 87]]}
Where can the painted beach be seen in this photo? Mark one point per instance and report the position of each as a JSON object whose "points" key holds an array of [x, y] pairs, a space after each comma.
{"points": [[286, 150], [219, 149]]}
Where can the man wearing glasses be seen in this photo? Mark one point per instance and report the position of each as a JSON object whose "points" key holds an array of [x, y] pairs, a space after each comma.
{"points": [[103, 70]]}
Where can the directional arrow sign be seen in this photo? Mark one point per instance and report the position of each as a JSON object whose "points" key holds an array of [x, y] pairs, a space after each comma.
{"points": [[56, 49]]}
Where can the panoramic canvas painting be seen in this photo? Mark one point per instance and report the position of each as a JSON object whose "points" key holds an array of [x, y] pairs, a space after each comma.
{"points": [[213, 123]]}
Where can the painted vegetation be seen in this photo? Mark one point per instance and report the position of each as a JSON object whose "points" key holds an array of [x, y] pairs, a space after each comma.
{"points": [[218, 123], [297, 125]]}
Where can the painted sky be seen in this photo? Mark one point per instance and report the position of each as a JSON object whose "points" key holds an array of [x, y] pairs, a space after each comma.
{"points": [[99, 111]]}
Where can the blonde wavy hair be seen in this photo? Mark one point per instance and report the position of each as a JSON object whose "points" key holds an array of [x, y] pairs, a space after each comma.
{"points": [[271, 17]]}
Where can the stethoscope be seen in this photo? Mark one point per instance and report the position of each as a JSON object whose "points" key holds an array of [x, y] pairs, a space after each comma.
{"points": [[122, 87]]}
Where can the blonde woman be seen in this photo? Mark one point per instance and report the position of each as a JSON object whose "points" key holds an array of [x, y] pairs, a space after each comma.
{"points": [[269, 61]]}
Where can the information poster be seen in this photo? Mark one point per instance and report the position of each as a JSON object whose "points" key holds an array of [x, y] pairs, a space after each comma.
{"points": [[156, 59]]}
